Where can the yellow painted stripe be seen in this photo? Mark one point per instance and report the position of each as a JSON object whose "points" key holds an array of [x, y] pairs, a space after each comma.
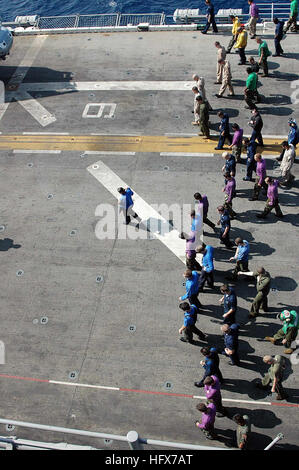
{"points": [[146, 143]]}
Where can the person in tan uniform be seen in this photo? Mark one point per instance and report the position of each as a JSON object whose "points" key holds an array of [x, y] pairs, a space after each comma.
{"points": [[200, 84], [196, 121], [221, 54], [287, 163], [226, 79]]}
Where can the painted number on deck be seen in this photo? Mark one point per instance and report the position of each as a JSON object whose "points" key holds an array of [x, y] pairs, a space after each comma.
{"points": [[109, 113]]}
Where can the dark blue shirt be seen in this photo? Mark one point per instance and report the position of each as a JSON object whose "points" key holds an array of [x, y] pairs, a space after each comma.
{"points": [[129, 200], [230, 301], [231, 338], [230, 164], [215, 356], [210, 10], [225, 221], [251, 150], [224, 123], [211, 365], [279, 28], [293, 135]]}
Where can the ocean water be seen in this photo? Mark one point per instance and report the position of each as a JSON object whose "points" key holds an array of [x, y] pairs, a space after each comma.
{"points": [[9, 9]]}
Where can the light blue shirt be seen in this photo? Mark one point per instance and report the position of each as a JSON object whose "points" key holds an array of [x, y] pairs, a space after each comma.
{"points": [[191, 286], [196, 223], [243, 251], [207, 259]]}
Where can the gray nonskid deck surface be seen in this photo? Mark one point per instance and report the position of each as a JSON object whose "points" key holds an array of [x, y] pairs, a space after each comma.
{"points": [[88, 322]]}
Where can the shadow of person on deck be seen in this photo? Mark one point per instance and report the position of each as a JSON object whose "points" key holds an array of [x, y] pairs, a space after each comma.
{"points": [[8, 243]]}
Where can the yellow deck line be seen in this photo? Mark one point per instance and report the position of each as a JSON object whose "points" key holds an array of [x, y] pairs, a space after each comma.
{"points": [[146, 143]]}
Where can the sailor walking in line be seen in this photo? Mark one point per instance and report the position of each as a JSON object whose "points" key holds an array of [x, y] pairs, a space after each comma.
{"points": [[126, 206]]}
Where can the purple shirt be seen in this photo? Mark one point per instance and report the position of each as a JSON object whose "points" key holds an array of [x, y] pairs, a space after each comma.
{"points": [[203, 205], [190, 244], [261, 170], [208, 419], [230, 189], [237, 139], [213, 391], [272, 193], [254, 11]]}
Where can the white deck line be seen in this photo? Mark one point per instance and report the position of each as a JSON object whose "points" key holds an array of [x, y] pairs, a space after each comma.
{"points": [[125, 135], [45, 133], [27, 61], [135, 85], [117, 389], [36, 151], [33, 107], [177, 134], [75, 384], [236, 400], [185, 154], [102, 152]]}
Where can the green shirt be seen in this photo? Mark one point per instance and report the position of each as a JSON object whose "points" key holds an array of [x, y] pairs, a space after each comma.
{"points": [[204, 112], [292, 323], [264, 47], [251, 82], [294, 8], [263, 282], [243, 431], [276, 369]]}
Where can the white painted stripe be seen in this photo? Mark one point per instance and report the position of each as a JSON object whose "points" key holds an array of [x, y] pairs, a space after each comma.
{"points": [[185, 154], [27, 61], [117, 389], [109, 86], [3, 107], [36, 151], [31, 105], [125, 135], [284, 137], [111, 182], [45, 133], [102, 152], [250, 402], [75, 384], [215, 134], [34, 108], [172, 134]]}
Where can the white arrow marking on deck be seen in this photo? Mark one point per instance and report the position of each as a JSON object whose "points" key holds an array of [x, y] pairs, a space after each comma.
{"points": [[31, 105], [111, 182]]}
